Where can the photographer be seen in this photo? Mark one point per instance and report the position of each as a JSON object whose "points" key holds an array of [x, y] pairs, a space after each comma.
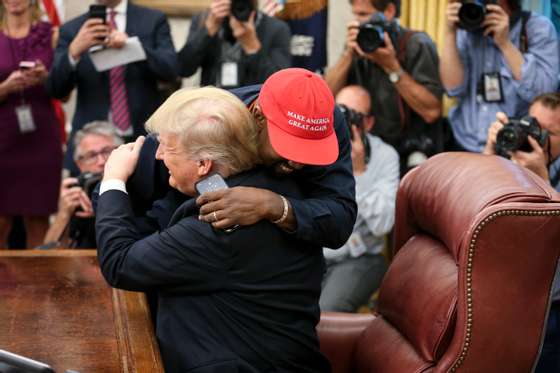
{"points": [[401, 75], [546, 110], [496, 58], [542, 161], [355, 271], [235, 45], [75, 218], [125, 95]]}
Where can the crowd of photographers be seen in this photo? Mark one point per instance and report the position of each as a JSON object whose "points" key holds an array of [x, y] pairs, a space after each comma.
{"points": [[499, 62]]}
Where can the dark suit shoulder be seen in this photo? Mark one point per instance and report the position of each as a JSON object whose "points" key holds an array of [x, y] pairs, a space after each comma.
{"points": [[153, 14], [275, 24], [74, 24]]}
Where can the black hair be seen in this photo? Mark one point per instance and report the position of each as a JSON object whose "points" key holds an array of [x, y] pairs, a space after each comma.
{"points": [[381, 5]]}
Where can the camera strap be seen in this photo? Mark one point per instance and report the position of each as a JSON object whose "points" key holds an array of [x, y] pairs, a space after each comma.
{"points": [[523, 38], [404, 109]]}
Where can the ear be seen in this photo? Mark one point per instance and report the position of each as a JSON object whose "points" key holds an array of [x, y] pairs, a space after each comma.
{"points": [[368, 123], [390, 12], [204, 166]]}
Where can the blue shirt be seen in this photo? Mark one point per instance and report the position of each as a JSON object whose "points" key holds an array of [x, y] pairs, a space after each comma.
{"points": [[472, 117]]}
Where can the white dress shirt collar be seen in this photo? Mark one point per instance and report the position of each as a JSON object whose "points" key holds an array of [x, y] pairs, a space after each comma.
{"points": [[120, 16]]}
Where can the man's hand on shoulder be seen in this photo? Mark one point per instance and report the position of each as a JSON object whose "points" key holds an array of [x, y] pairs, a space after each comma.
{"points": [[122, 161]]}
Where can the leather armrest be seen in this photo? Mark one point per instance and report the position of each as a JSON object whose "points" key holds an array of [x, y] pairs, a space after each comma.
{"points": [[338, 333]]}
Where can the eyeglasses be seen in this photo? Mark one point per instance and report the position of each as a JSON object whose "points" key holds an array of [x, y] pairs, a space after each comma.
{"points": [[91, 157]]}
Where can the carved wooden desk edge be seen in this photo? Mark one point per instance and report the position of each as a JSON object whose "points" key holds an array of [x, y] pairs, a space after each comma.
{"points": [[136, 339]]}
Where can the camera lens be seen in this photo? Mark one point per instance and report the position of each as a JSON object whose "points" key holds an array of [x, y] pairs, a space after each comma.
{"points": [[508, 139], [471, 15], [370, 37]]}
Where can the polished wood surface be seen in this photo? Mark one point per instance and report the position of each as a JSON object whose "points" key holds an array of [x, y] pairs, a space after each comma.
{"points": [[56, 307]]}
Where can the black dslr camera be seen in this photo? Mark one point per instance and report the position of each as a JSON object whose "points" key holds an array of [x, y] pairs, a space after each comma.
{"points": [[352, 118], [514, 136], [241, 9], [355, 118], [371, 34], [87, 181], [472, 13]]}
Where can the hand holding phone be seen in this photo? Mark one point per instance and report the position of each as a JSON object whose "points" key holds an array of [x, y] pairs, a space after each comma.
{"points": [[213, 183], [98, 11], [26, 65]]}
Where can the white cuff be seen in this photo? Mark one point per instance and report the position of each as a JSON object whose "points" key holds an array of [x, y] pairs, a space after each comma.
{"points": [[72, 61], [112, 184]]}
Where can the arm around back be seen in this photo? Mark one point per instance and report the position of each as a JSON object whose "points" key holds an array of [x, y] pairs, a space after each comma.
{"points": [[327, 215]]}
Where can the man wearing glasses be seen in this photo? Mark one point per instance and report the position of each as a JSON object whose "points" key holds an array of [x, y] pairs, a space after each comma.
{"points": [[74, 223]]}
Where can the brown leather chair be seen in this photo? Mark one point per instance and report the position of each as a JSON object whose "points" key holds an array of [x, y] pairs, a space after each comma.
{"points": [[476, 245]]}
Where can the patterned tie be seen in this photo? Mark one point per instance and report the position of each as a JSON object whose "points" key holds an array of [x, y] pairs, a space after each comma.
{"points": [[119, 101]]}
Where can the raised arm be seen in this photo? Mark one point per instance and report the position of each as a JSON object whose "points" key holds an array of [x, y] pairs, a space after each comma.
{"points": [[451, 67]]}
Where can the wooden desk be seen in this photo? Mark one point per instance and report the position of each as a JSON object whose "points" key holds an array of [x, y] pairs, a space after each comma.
{"points": [[56, 307]]}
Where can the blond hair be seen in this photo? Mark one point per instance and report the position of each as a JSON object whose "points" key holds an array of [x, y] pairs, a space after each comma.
{"points": [[35, 13], [211, 123]]}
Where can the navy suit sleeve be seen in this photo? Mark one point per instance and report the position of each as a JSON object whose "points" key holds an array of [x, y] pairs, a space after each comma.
{"points": [[181, 258], [161, 55], [197, 47], [276, 56], [62, 77], [327, 216]]}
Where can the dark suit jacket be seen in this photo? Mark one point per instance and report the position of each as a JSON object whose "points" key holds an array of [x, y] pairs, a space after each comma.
{"points": [[202, 50], [245, 301], [326, 215], [93, 98]]}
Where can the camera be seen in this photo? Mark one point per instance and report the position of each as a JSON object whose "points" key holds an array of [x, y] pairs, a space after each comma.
{"points": [[355, 118], [417, 149], [514, 136], [472, 13], [88, 180], [371, 34], [241, 9], [352, 118]]}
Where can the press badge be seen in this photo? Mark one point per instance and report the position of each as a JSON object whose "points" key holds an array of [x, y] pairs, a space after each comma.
{"points": [[492, 87], [25, 119], [229, 76], [356, 245]]}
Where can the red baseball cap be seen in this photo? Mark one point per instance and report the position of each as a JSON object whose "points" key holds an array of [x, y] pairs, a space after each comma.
{"points": [[298, 106]]}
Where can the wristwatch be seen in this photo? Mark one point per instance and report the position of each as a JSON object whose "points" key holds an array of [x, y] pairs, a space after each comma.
{"points": [[395, 76]]}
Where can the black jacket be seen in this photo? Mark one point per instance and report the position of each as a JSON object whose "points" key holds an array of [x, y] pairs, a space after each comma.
{"points": [[245, 301], [325, 216], [202, 50]]}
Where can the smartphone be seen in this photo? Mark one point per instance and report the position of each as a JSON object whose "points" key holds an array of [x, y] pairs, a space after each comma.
{"points": [[24, 65], [98, 11], [210, 184]]}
